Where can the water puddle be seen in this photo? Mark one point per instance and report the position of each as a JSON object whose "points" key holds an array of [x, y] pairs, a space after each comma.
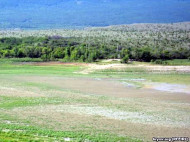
{"points": [[172, 88]]}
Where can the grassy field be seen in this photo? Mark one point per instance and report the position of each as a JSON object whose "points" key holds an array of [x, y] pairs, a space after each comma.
{"points": [[140, 73], [175, 62], [55, 102]]}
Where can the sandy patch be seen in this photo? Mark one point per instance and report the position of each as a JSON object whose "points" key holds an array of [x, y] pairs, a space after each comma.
{"points": [[152, 68], [93, 67], [110, 60], [16, 92]]}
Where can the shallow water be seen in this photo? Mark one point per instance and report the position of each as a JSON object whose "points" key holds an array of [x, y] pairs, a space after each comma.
{"points": [[172, 88]]}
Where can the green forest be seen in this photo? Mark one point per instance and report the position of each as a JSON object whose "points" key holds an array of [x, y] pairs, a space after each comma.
{"points": [[141, 42], [72, 49]]}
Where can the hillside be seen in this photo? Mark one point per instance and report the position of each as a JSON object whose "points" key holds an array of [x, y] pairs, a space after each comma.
{"points": [[141, 42], [42, 14]]}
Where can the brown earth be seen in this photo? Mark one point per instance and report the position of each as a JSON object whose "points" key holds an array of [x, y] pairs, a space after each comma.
{"points": [[106, 87]]}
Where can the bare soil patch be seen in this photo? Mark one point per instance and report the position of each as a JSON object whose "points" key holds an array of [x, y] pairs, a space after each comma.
{"points": [[107, 88], [151, 68], [62, 117], [15, 92], [106, 105]]}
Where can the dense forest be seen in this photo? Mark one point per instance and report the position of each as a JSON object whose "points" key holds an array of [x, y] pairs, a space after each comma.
{"points": [[142, 42], [52, 48]]}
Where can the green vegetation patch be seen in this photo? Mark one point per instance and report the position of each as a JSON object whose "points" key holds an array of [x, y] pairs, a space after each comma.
{"points": [[175, 62], [12, 102], [38, 70], [93, 47], [29, 133], [17, 60], [140, 73], [125, 70]]}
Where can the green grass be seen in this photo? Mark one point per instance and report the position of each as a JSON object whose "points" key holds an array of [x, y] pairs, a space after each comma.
{"points": [[9, 70], [38, 70], [15, 66], [23, 130], [140, 73], [69, 71], [13, 102], [22, 137], [23, 133], [125, 70], [175, 62], [16, 60]]}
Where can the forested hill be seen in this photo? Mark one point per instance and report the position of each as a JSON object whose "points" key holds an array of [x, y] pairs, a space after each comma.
{"points": [[144, 42], [47, 14]]}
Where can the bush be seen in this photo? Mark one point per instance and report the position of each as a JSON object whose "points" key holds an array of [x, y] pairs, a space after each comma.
{"points": [[125, 59], [158, 62]]}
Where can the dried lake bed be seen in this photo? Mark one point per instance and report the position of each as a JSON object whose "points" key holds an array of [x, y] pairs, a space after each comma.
{"points": [[61, 98]]}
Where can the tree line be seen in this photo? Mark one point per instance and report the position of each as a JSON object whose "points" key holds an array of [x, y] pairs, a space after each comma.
{"points": [[84, 50]]}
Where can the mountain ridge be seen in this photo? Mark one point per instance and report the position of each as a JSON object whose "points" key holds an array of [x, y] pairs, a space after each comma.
{"points": [[51, 14]]}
